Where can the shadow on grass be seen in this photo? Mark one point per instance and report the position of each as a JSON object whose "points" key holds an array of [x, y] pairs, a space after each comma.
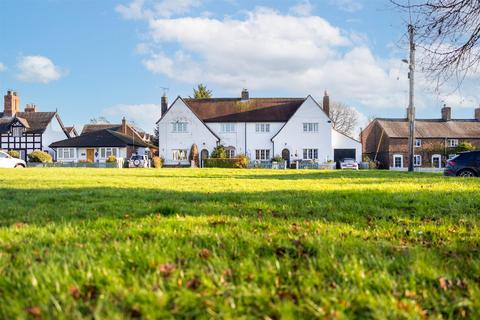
{"points": [[57, 205]]}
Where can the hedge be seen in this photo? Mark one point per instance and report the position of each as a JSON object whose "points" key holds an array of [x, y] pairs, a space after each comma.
{"points": [[40, 156], [239, 162], [14, 154]]}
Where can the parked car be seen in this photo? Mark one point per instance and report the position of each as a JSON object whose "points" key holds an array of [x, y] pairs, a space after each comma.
{"points": [[466, 164], [138, 161], [349, 164], [7, 161]]}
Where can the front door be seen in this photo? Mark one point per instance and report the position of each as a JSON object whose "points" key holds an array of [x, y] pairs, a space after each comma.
{"points": [[286, 156], [437, 161], [203, 156], [90, 155]]}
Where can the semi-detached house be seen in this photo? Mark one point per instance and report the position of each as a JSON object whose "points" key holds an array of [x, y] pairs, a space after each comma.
{"points": [[261, 128]]}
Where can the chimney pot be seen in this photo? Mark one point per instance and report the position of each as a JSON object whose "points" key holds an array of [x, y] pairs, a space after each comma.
{"points": [[164, 105], [245, 95], [477, 114], [124, 125], [11, 103], [326, 103], [446, 113]]}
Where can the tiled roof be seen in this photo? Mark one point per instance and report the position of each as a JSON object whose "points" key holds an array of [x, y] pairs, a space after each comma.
{"points": [[252, 110], [34, 122], [95, 127], [432, 128], [99, 138]]}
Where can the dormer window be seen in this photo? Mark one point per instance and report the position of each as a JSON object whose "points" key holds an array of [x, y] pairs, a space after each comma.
{"points": [[17, 131]]}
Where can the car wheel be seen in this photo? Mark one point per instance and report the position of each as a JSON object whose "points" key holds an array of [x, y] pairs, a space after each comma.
{"points": [[21, 166], [466, 173]]}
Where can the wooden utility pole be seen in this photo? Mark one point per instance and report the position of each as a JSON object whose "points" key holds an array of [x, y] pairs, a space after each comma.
{"points": [[411, 108]]}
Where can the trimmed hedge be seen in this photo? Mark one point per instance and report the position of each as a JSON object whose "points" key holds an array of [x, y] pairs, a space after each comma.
{"points": [[40, 156], [239, 162], [111, 159], [14, 154]]}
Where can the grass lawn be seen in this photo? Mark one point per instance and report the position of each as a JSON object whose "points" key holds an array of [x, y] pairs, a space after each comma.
{"points": [[213, 243]]}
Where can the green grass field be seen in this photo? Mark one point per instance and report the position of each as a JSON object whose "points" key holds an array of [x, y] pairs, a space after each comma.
{"points": [[212, 243]]}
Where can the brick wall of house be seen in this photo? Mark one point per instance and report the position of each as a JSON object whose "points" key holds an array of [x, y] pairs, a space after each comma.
{"points": [[372, 141], [429, 147]]}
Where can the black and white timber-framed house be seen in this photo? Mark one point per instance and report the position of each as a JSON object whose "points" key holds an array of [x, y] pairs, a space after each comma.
{"points": [[30, 130]]}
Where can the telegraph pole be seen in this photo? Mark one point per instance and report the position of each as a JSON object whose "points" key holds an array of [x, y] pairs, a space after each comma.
{"points": [[411, 108]]}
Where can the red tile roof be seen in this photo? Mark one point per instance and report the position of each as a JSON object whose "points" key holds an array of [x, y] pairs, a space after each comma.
{"points": [[432, 128]]}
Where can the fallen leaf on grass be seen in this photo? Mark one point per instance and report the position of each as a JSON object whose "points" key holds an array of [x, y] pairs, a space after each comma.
{"points": [[167, 269], [74, 292], [34, 312], [193, 284], [204, 253]]}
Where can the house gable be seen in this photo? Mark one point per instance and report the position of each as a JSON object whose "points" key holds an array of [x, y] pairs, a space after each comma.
{"points": [[196, 131]]}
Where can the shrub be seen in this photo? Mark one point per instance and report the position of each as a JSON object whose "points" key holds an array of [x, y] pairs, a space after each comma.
{"points": [[194, 154], [219, 152], [371, 163], [242, 161], [464, 146], [238, 162], [157, 162], [40, 156], [278, 158], [14, 154], [111, 159]]}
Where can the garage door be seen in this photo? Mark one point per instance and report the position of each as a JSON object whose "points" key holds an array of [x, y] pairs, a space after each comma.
{"points": [[341, 154]]}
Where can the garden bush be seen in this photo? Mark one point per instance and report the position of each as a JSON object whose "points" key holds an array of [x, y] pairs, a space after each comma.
{"points": [[194, 154], [239, 162], [464, 146], [40, 156], [219, 152], [14, 154], [157, 162], [278, 158], [111, 159]]}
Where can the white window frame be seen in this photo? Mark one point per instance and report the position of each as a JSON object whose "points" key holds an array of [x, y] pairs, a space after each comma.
{"points": [[418, 143], [439, 156], [262, 127], [70, 152], [228, 128], [452, 143], [180, 154], [179, 127], [417, 160], [395, 156], [107, 152], [230, 152], [310, 154], [262, 154], [310, 127]]}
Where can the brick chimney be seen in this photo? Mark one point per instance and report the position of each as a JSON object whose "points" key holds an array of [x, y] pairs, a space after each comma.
{"points": [[123, 128], [326, 103], [164, 104], [245, 95], [477, 114], [446, 113], [31, 108], [11, 104]]}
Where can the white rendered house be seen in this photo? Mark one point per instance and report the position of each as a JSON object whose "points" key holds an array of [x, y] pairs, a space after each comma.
{"points": [[261, 128]]}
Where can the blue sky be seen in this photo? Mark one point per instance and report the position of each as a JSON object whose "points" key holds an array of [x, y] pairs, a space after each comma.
{"points": [[110, 58]]}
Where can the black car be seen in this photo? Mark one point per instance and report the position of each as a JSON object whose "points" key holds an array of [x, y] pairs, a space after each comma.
{"points": [[466, 164]]}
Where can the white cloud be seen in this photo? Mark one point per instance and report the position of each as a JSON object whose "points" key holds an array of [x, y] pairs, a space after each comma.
{"points": [[37, 69], [2, 67], [347, 5], [142, 115], [303, 8], [289, 54], [268, 50], [150, 9]]}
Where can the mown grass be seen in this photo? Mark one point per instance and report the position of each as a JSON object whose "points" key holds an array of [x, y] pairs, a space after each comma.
{"points": [[184, 243]]}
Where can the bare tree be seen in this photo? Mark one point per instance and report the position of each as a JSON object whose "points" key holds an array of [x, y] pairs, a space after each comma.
{"points": [[344, 118], [448, 33]]}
